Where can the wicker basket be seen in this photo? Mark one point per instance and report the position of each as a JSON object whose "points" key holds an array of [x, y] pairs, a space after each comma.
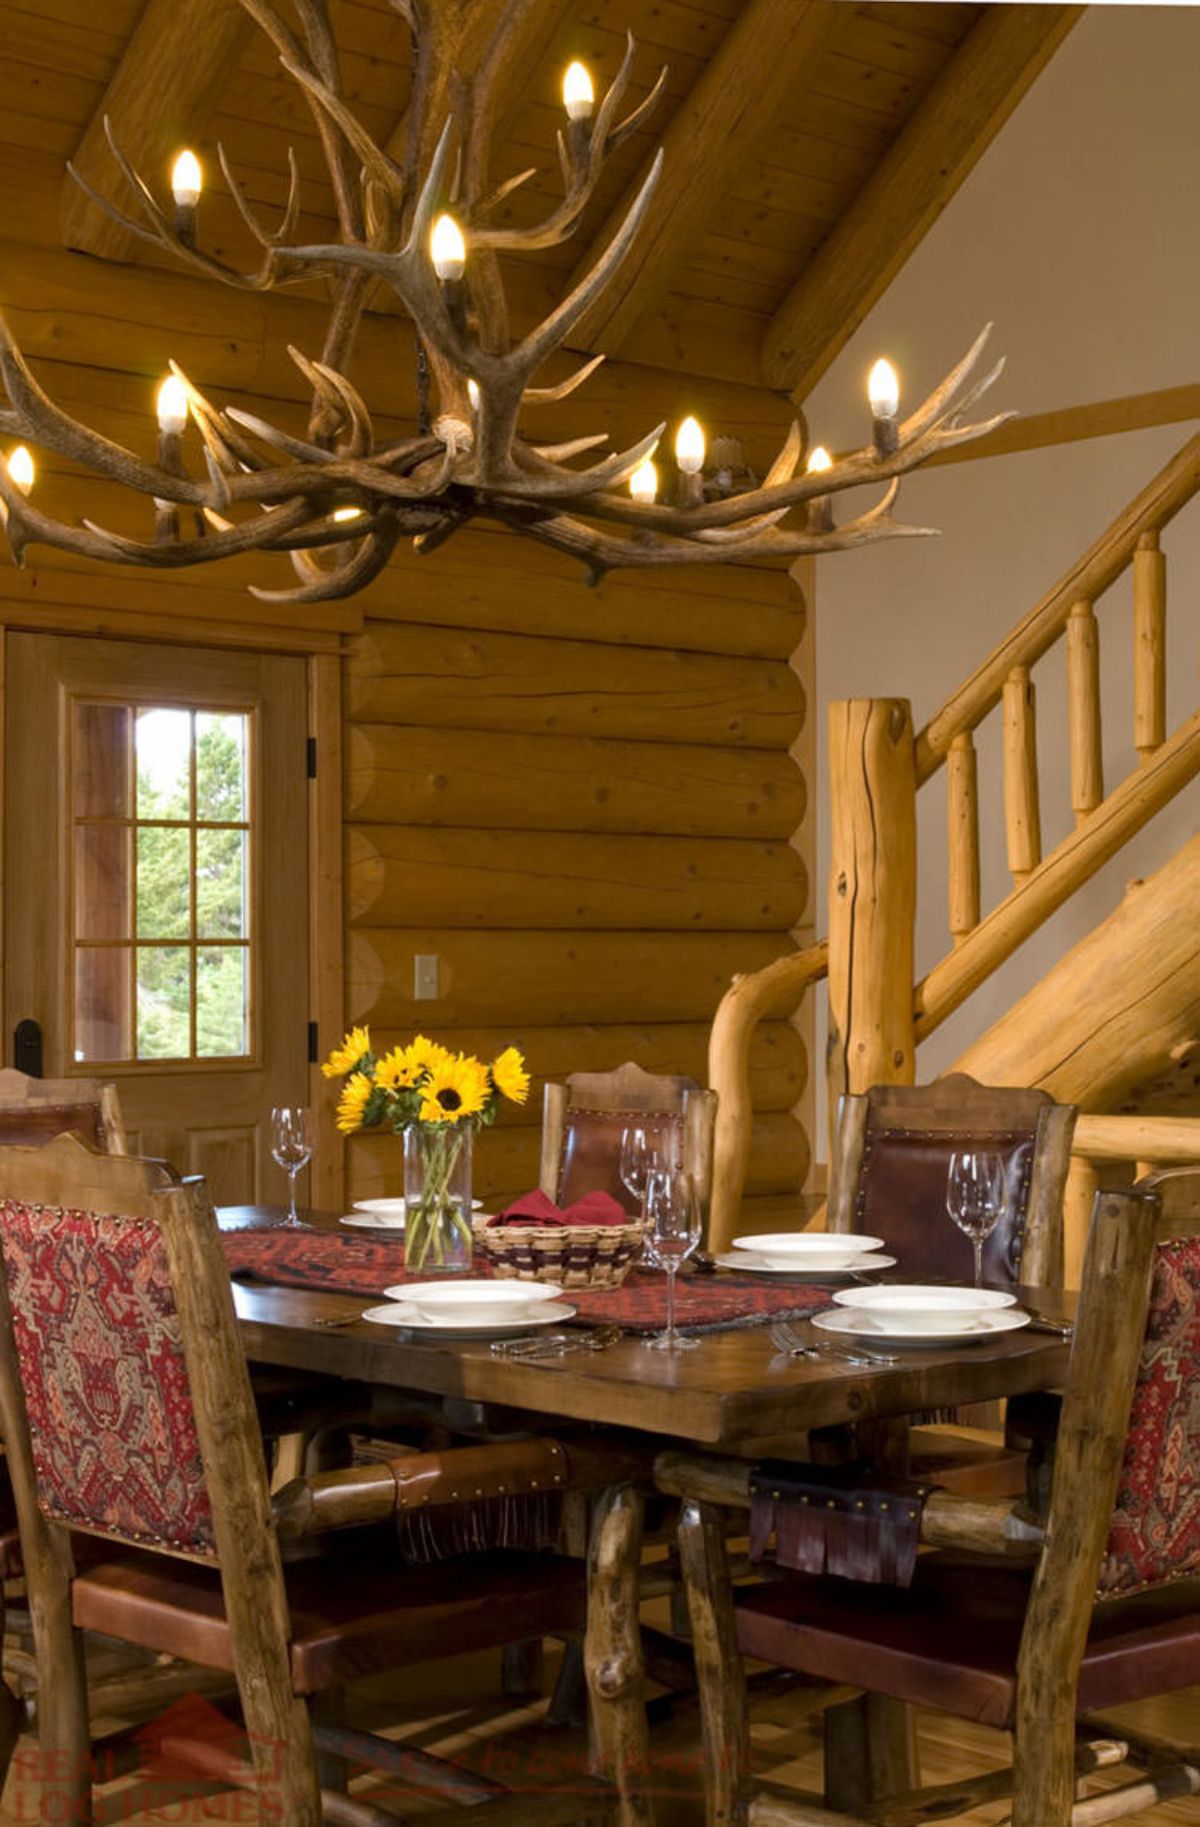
{"points": [[573, 1255]]}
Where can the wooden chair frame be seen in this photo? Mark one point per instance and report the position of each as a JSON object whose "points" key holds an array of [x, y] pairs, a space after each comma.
{"points": [[18, 1089], [1069, 1545], [247, 1525], [958, 1103]]}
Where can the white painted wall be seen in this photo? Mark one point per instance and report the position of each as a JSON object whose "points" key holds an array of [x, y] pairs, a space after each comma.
{"points": [[1079, 234]]}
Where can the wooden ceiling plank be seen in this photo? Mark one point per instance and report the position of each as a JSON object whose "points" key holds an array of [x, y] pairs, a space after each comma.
{"points": [[964, 110], [173, 71], [719, 127]]}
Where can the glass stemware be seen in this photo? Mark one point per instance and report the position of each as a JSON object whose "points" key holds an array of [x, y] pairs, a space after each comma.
{"points": [[975, 1197], [291, 1146], [635, 1162], [672, 1233]]}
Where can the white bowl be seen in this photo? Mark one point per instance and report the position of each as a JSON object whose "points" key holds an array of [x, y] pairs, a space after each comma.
{"points": [[917, 1307], [807, 1247], [475, 1302]]}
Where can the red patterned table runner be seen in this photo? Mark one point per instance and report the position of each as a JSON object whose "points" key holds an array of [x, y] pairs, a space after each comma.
{"points": [[360, 1265]]}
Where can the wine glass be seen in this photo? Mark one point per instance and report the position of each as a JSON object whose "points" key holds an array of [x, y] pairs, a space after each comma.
{"points": [[672, 1233], [291, 1145], [635, 1161], [975, 1197]]}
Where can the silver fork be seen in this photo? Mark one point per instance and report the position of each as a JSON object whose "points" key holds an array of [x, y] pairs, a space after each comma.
{"points": [[786, 1336], [556, 1344]]}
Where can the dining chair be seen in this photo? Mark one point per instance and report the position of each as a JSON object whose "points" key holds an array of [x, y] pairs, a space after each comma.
{"points": [[889, 1170], [1032, 1623], [34, 1110], [584, 1119], [145, 1512]]}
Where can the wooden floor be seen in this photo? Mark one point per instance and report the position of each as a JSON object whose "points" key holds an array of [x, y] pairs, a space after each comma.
{"points": [[452, 1710]]}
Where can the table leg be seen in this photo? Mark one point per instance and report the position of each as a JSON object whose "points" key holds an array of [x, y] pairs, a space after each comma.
{"points": [[719, 1671], [613, 1653], [870, 1751]]}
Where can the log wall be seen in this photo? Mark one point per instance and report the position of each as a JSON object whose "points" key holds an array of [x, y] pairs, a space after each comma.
{"points": [[583, 805]]}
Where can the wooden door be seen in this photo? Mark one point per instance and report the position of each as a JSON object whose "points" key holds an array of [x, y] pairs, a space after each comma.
{"points": [[156, 889]]}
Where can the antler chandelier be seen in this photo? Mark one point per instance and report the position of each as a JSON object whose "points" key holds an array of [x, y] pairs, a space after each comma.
{"points": [[338, 500]]}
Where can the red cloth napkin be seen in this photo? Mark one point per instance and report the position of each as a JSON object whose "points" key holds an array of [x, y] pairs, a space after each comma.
{"points": [[536, 1208]]}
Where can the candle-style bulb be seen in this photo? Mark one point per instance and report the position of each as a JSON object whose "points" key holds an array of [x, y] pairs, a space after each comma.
{"points": [[447, 248], [818, 459], [577, 92], [21, 469], [171, 406], [643, 484], [473, 392], [883, 389], [347, 513], [186, 180], [689, 446]]}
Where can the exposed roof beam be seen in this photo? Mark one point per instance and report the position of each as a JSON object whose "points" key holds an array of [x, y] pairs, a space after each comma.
{"points": [[161, 95], [718, 129], [998, 61]]}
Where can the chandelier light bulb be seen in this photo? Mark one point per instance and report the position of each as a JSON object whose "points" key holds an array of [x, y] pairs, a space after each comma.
{"points": [[473, 392], [819, 459], [171, 406], [883, 389], [347, 513], [643, 484], [577, 92], [21, 469], [689, 446], [447, 248], [186, 180]]}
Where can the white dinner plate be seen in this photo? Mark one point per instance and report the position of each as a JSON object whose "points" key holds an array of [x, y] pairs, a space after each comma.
{"points": [[397, 1313], [746, 1264], [373, 1221], [807, 1243], [394, 1208], [852, 1322]]}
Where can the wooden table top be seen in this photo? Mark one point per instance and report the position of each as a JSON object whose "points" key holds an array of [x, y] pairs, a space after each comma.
{"points": [[734, 1392]]}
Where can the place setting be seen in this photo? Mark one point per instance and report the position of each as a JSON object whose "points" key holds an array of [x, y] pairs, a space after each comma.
{"points": [[809, 1256], [469, 1308]]}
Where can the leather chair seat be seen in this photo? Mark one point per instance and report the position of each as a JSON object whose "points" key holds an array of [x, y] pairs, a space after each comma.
{"points": [[950, 1640], [355, 1612]]}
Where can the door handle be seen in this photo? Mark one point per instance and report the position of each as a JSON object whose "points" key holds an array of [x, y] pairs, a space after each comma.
{"points": [[27, 1047]]}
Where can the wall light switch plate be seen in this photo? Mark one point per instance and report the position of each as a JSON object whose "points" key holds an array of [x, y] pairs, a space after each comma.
{"points": [[425, 977]]}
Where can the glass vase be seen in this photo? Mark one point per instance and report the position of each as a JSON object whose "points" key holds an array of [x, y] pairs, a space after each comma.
{"points": [[437, 1200]]}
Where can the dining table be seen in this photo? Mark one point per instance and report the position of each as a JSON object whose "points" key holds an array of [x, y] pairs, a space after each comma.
{"points": [[737, 1394]]}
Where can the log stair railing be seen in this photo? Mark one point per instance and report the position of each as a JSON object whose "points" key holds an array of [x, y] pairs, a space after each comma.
{"points": [[877, 765]]}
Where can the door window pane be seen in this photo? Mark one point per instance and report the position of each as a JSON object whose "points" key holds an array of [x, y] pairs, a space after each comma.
{"points": [[164, 1002], [102, 1003], [221, 883], [164, 764], [220, 767], [161, 882], [164, 882], [222, 1006], [102, 881]]}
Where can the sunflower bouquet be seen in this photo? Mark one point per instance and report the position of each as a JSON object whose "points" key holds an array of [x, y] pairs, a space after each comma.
{"points": [[436, 1099]]}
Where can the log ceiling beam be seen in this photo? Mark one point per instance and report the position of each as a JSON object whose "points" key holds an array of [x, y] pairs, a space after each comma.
{"points": [[162, 93], [997, 63], [718, 129]]}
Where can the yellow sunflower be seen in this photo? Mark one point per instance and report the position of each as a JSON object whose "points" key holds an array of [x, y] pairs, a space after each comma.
{"points": [[397, 1070], [509, 1075], [425, 1054], [457, 1087], [346, 1057], [353, 1102]]}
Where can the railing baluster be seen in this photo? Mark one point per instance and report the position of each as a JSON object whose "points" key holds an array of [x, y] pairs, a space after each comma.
{"points": [[1022, 817], [1083, 703], [1149, 646], [962, 806]]}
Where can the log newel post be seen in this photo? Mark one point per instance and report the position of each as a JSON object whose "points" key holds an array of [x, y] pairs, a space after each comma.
{"points": [[872, 895]]}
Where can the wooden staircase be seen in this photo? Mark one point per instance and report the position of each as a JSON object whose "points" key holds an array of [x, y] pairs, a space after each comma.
{"points": [[878, 1014]]}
